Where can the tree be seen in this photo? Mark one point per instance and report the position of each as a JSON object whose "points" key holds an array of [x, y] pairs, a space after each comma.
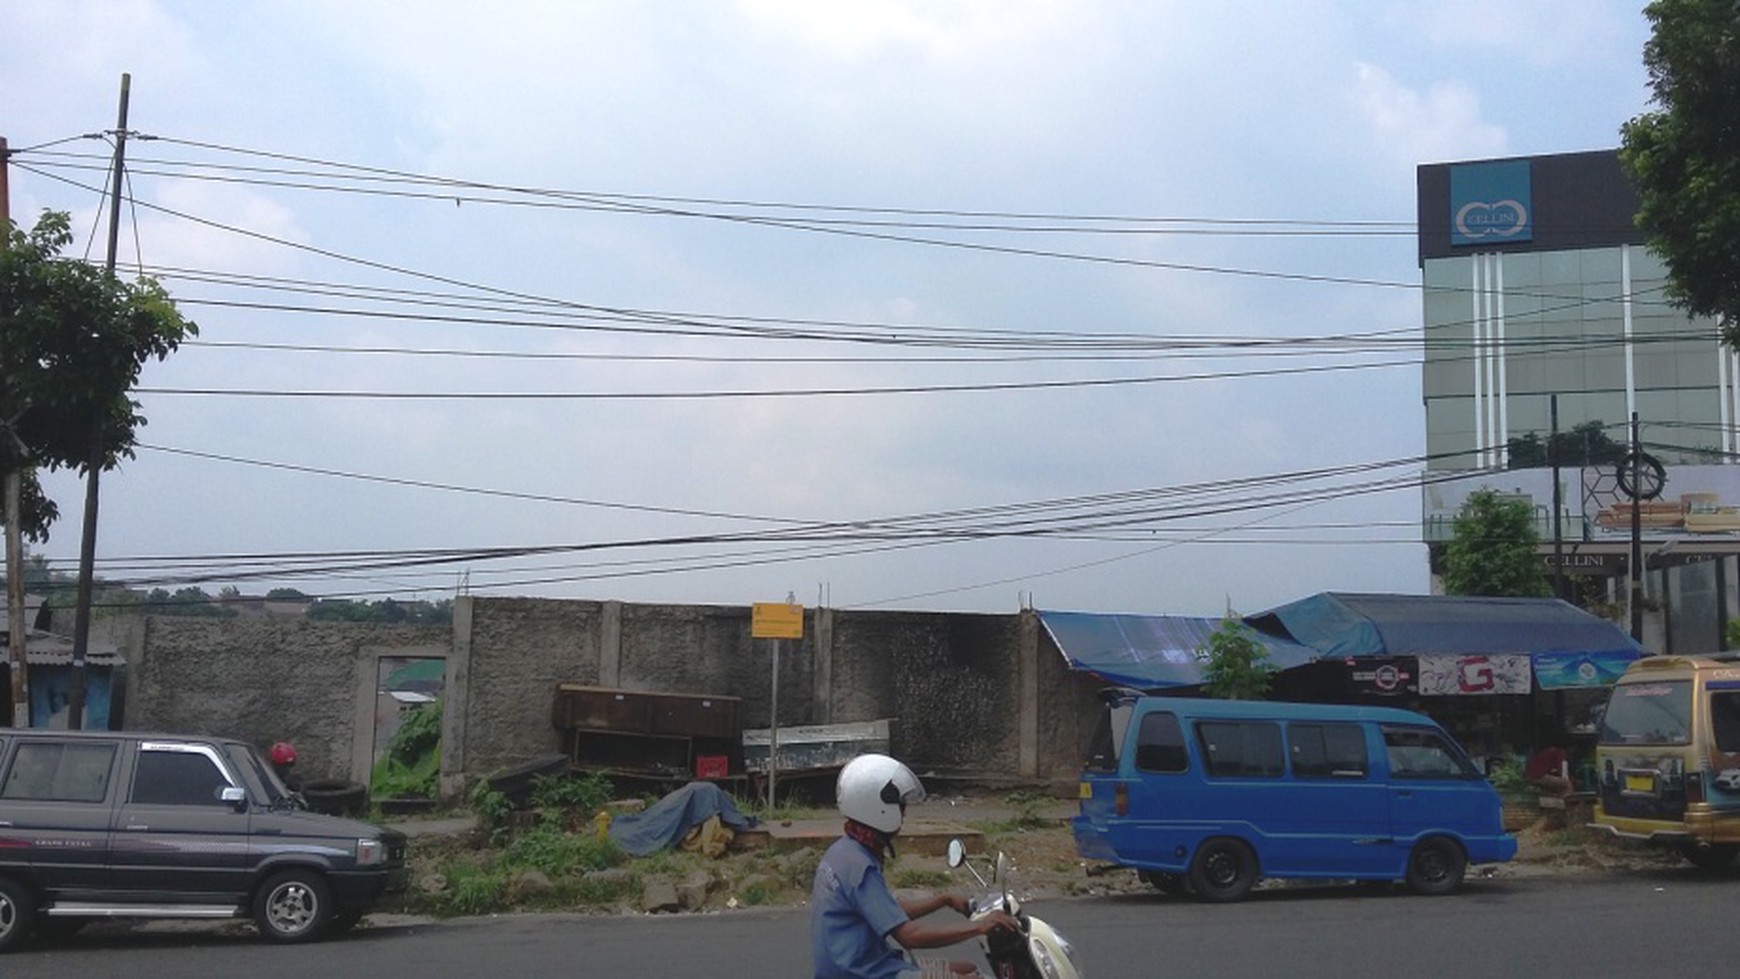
{"points": [[1685, 156], [73, 339], [1492, 549], [1235, 664], [1587, 444]]}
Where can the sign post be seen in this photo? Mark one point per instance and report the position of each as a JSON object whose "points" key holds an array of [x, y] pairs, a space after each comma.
{"points": [[775, 621]]}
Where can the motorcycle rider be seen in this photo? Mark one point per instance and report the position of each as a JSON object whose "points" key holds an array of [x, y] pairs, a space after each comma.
{"points": [[855, 919], [283, 756]]}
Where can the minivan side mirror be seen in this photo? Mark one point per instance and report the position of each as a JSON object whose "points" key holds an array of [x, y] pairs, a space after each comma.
{"points": [[235, 796]]}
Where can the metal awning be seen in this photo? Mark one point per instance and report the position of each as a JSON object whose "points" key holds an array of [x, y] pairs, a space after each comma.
{"points": [[1149, 651]]}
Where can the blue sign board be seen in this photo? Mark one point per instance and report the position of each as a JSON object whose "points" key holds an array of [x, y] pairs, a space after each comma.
{"points": [[1557, 671], [1490, 203]]}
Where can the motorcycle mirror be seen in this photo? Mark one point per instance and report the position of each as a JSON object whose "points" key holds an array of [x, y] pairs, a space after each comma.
{"points": [[1002, 869], [957, 852]]}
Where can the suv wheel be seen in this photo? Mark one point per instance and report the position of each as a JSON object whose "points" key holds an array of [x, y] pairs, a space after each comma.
{"points": [[294, 906], [1224, 869], [17, 913]]}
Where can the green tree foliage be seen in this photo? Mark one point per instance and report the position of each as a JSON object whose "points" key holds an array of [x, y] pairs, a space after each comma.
{"points": [[72, 342], [190, 601], [1235, 664], [1587, 444], [388, 611], [1685, 155], [1492, 549]]}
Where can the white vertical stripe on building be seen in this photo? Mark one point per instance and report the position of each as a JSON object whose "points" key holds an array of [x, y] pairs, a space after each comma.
{"points": [[1479, 325], [1725, 392], [1630, 351], [1501, 444]]}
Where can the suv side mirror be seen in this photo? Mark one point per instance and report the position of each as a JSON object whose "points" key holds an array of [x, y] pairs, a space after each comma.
{"points": [[235, 796]]}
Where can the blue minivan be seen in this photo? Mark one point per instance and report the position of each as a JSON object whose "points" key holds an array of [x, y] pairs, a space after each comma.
{"points": [[1206, 797]]}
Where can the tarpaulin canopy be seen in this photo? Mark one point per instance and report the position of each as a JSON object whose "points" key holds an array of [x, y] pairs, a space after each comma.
{"points": [[1566, 646], [1148, 651]]}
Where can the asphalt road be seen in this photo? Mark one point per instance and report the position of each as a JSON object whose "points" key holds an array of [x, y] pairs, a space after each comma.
{"points": [[1665, 923]]}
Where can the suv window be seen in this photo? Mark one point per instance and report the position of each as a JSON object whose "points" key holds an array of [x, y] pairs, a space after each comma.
{"points": [[177, 778], [1725, 720], [1241, 747], [1423, 753], [60, 771], [1327, 750], [1160, 744], [1656, 712]]}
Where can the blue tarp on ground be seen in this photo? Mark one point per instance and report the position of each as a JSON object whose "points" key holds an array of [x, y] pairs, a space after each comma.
{"points": [[1337, 625], [670, 818], [1148, 651]]}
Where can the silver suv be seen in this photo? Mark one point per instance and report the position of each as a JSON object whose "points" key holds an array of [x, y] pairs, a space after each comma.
{"points": [[109, 824]]}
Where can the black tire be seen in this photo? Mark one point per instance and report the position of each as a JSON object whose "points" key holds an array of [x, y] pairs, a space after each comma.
{"points": [[1171, 885], [1713, 858], [1223, 869], [335, 796], [1436, 867], [293, 906], [17, 913]]}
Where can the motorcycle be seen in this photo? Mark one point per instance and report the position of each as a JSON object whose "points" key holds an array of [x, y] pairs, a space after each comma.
{"points": [[1037, 951]]}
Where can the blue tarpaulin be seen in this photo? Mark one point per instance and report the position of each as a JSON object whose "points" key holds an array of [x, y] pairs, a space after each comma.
{"points": [[1341, 624], [670, 818], [1148, 651]]}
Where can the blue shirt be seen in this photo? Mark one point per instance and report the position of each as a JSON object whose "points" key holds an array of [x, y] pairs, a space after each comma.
{"points": [[852, 913]]}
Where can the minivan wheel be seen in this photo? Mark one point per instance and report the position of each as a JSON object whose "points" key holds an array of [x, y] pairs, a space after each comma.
{"points": [[1223, 870], [17, 913], [1436, 867], [294, 906]]}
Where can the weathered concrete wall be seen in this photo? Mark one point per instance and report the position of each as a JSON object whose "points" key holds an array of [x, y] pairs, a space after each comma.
{"points": [[266, 681], [506, 668]]}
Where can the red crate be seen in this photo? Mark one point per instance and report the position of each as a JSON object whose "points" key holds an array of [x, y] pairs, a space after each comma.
{"points": [[712, 766]]}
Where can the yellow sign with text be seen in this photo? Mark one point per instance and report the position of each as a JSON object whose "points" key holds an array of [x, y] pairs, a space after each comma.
{"points": [[776, 620]]}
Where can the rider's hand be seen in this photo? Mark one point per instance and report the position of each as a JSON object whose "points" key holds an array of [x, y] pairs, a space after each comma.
{"points": [[998, 919], [959, 902]]}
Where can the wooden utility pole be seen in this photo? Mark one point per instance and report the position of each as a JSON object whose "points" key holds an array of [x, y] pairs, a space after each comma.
{"points": [[14, 513], [75, 707]]}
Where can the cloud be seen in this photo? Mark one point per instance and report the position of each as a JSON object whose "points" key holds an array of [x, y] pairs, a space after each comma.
{"points": [[1442, 123]]}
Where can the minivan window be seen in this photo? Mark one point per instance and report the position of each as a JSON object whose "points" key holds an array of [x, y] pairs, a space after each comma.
{"points": [[1422, 753], [1108, 738], [177, 778], [1243, 748], [54, 771], [1160, 744], [1327, 750], [1725, 720], [1657, 712]]}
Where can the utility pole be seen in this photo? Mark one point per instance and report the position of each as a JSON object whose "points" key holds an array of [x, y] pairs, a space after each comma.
{"points": [[17, 638], [75, 708]]}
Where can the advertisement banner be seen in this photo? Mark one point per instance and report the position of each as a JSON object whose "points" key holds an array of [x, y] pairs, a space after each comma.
{"points": [[1459, 674], [1559, 671], [1389, 676]]}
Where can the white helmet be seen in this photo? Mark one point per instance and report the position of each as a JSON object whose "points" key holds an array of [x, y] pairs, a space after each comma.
{"points": [[874, 788]]}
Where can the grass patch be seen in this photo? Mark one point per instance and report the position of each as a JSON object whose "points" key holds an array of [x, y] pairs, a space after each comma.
{"points": [[921, 878]]}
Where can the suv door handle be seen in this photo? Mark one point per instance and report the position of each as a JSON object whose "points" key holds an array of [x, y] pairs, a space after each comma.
{"points": [[136, 826]]}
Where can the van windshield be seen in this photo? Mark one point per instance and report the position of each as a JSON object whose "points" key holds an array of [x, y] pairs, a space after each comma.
{"points": [[1656, 712]]}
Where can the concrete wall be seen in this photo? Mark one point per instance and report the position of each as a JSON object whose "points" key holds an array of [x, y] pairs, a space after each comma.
{"points": [[304, 682], [970, 696]]}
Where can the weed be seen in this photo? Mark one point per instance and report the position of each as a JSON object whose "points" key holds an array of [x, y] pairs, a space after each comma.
{"points": [[558, 854], [474, 890], [585, 793]]}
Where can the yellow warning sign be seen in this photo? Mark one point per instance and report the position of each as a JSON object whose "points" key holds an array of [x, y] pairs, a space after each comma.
{"points": [[777, 620]]}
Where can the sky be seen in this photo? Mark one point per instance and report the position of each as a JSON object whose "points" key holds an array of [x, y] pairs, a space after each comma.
{"points": [[958, 306]]}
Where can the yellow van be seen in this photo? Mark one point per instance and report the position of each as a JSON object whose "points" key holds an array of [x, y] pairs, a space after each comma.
{"points": [[1668, 761]]}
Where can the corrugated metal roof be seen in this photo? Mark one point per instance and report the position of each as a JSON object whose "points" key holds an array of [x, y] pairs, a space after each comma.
{"points": [[1341, 624]]}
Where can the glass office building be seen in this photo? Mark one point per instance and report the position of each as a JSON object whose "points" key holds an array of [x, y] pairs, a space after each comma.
{"points": [[1538, 287]]}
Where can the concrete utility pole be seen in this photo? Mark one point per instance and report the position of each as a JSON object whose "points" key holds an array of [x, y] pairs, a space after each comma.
{"points": [[14, 491], [1636, 561], [75, 708]]}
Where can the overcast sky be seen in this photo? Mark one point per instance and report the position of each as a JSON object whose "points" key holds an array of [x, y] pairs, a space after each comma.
{"points": [[642, 237]]}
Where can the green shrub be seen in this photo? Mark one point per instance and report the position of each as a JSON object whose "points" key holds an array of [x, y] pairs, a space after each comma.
{"points": [[558, 854]]}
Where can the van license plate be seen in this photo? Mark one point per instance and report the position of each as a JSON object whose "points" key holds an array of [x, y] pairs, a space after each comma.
{"points": [[1639, 783], [1086, 791]]}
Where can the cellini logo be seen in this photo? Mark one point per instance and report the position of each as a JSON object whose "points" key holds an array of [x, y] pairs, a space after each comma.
{"points": [[1491, 219]]}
